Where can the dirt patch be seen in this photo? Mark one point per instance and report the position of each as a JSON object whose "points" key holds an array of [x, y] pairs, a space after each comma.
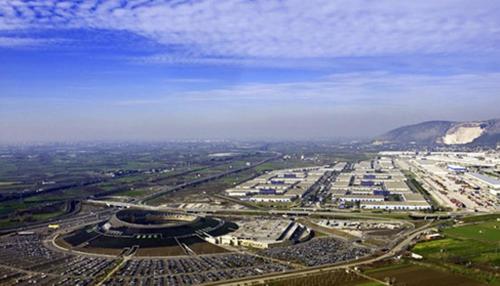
{"points": [[160, 251], [415, 275], [331, 278], [206, 248], [95, 250]]}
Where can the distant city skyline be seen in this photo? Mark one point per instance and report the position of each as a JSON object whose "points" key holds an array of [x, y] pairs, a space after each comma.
{"points": [[166, 70]]}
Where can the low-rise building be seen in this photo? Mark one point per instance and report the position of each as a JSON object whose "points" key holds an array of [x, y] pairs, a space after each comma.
{"points": [[272, 198], [264, 234], [361, 198], [278, 186], [486, 180], [392, 205], [397, 187]]}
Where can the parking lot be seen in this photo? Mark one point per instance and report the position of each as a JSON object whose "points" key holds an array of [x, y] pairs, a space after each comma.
{"points": [[193, 270], [318, 251]]}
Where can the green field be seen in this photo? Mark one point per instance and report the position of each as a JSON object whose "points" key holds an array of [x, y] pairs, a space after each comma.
{"points": [[11, 222], [482, 218], [7, 183], [197, 192], [134, 193], [488, 231], [46, 216], [283, 164], [471, 250]]}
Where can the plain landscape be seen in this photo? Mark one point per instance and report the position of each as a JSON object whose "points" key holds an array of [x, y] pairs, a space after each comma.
{"points": [[249, 142]]}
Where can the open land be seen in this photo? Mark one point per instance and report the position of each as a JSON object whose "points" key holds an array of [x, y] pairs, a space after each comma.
{"points": [[257, 213]]}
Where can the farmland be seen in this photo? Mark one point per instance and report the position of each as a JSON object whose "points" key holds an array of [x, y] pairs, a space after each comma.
{"points": [[34, 177], [410, 274], [331, 278], [470, 249]]}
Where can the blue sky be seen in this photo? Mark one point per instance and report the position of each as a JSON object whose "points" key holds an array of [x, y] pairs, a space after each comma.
{"points": [[262, 69]]}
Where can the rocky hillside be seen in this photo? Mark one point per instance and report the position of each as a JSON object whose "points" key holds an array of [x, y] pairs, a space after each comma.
{"points": [[445, 133]]}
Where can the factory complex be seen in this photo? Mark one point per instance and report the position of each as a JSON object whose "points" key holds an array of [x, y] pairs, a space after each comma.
{"points": [[456, 180], [376, 184], [392, 181], [282, 186]]}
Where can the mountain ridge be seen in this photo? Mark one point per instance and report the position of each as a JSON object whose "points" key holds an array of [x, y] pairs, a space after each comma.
{"points": [[442, 132]]}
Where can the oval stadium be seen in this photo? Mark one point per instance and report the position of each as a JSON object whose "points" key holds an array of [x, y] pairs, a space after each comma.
{"points": [[149, 233]]}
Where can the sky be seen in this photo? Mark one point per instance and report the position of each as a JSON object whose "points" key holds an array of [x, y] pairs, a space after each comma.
{"points": [[148, 70]]}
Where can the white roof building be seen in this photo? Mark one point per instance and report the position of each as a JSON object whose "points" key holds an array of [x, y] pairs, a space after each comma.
{"points": [[487, 180], [395, 205], [361, 198]]}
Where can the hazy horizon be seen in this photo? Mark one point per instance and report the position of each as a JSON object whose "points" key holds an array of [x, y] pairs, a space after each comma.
{"points": [[251, 70]]}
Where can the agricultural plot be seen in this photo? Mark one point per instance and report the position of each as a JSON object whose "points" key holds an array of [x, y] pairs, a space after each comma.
{"points": [[415, 275], [487, 232], [471, 250], [331, 278], [32, 177]]}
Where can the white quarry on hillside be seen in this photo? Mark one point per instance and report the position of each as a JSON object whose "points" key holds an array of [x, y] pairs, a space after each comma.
{"points": [[462, 134]]}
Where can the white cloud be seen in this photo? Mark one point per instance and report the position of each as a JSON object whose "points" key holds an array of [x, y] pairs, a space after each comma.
{"points": [[369, 91], [26, 42], [278, 29]]}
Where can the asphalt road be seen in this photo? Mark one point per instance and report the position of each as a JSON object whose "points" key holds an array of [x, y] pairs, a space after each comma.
{"points": [[398, 248]]}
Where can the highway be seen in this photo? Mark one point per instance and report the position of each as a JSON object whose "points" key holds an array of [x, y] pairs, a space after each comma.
{"points": [[292, 212]]}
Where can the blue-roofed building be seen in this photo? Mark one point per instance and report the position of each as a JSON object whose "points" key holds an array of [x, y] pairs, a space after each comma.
{"points": [[457, 168], [267, 191], [367, 183], [381, 193]]}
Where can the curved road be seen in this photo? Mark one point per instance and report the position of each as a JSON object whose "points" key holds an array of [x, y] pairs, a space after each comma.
{"points": [[320, 269]]}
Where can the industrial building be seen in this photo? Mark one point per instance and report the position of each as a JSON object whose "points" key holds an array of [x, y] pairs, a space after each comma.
{"points": [[396, 206], [486, 180], [376, 184], [264, 234], [361, 198], [455, 180], [282, 186]]}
